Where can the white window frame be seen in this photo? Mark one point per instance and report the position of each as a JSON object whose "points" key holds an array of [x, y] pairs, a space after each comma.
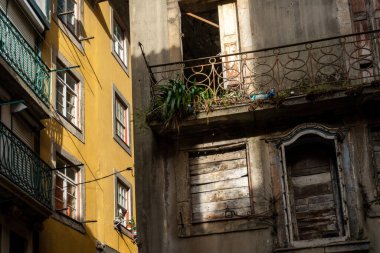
{"points": [[124, 216], [122, 120], [124, 141], [76, 129], [66, 181], [118, 42], [291, 138], [72, 27], [66, 89], [123, 211]]}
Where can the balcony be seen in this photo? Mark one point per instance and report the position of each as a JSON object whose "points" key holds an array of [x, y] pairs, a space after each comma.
{"points": [[270, 76], [21, 57], [23, 168]]}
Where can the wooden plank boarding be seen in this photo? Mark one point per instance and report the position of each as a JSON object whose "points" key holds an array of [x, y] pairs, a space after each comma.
{"points": [[314, 207], [219, 182], [204, 157], [216, 166], [232, 183]]}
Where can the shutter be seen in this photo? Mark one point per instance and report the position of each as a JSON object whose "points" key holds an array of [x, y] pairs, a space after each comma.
{"points": [[219, 184], [23, 131], [23, 24], [229, 43], [364, 21], [359, 18], [376, 14]]}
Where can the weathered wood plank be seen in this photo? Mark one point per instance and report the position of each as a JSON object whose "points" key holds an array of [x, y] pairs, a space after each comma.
{"points": [[311, 179], [217, 166], [312, 190], [225, 184], [221, 205], [218, 176], [314, 214], [315, 199], [220, 195], [205, 216], [309, 171], [232, 155], [315, 207]]}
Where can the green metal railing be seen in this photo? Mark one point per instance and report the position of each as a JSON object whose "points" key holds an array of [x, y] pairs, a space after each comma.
{"points": [[23, 59], [24, 168]]}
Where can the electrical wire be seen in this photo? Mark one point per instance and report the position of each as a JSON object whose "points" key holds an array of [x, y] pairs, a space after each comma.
{"points": [[104, 177], [94, 180]]}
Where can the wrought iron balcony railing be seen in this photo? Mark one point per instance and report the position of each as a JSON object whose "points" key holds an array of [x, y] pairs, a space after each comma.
{"points": [[318, 66], [20, 165], [16, 51]]}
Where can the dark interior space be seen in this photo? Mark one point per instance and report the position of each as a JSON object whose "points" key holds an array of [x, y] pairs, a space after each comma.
{"points": [[200, 32]]}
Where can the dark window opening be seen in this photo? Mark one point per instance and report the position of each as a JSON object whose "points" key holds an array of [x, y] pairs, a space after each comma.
{"points": [[17, 243], [314, 192], [366, 65], [200, 32]]}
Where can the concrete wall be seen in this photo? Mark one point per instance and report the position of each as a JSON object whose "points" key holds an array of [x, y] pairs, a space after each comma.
{"points": [[276, 23]]}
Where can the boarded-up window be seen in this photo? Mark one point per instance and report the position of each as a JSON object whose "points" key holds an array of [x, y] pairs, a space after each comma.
{"points": [[219, 184], [313, 185], [375, 142]]}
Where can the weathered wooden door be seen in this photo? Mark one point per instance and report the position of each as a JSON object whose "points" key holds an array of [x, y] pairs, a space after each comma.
{"points": [[314, 192], [229, 42]]}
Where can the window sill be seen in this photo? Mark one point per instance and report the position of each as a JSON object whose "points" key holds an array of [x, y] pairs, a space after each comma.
{"points": [[73, 38], [70, 222], [121, 63], [122, 144], [70, 127], [122, 229]]}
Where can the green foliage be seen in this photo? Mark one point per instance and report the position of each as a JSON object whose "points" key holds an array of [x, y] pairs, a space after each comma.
{"points": [[173, 102]]}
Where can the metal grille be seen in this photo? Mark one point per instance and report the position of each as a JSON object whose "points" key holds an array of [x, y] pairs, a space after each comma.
{"points": [[24, 168], [23, 59], [325, 65]]}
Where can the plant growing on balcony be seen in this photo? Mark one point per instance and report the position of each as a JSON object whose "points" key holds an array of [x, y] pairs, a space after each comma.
{"points": [[172, 103]]}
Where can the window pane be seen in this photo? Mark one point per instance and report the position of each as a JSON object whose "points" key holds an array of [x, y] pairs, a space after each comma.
{"points": [[60, 102], [61, 74], [70, 107], [71, 82], [122, 193], [119, 40], [71, 172], [66, 189], [66, 93], [59, 203], [120, 130]]}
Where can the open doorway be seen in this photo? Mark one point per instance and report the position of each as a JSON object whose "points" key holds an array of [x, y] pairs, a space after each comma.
{"points": [[200, 30]]}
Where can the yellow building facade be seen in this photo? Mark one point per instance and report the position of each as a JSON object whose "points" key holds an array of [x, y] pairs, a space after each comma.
{"points": [[87, 48], [66, 138]]}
